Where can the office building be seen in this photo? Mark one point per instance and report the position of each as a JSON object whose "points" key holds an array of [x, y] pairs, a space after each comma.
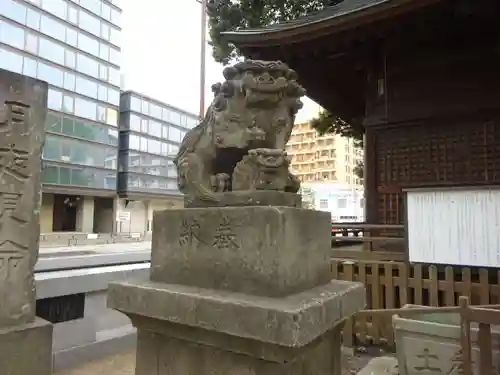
{"points": [[327, 158], [75, 47], [150, 136]]}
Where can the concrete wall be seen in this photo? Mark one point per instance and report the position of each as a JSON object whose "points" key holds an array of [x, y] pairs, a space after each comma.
{"points": [[62, 239], [104, 215], [137, 222], [157, 205], [141, 213], [99, 331], [46, 213], [85, 215]]}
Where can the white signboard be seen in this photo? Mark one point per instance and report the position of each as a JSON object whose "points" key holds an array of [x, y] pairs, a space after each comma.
{"points": [[123, 216], [454, 226]]}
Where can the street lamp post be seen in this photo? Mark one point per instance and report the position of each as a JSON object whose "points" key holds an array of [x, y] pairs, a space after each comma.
{"points": [[203, 52]]}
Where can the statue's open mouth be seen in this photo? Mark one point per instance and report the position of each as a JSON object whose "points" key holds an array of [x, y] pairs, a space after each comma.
{"points": [[266, 92], [269, 159]]}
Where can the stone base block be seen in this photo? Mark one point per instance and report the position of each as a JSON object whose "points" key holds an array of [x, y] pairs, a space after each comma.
{"points": [[248, 198], [290, 322], [26, 349], [163, 354], [267, 251]]}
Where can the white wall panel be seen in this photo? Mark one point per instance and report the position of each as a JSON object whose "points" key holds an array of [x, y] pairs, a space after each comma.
{"points": [[460, 227]]}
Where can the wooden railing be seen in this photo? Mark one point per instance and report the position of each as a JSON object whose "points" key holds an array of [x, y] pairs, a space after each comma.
{"points": [[391, 285], [484, 315], [376, 241]]}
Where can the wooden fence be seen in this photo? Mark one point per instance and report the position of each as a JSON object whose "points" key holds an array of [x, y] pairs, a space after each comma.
{"points": [[375, 241], [484, 315], [391, 285]]}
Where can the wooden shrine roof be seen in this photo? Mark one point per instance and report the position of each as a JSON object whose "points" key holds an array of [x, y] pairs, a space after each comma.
{"points": [[316, 46], [332, 13], [345, 15]]}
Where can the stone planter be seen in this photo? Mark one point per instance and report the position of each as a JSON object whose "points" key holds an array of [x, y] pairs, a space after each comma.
{"points": [[430, 343]]}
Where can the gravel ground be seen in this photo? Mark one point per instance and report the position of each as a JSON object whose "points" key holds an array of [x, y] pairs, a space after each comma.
{"points": [[354, 361], [121, 364], [124, 364]]}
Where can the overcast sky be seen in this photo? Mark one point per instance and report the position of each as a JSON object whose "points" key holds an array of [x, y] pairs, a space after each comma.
{"points": [[161, 53]]}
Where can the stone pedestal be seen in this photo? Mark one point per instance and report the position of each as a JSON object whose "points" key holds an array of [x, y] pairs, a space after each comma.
{"points": [[25, 341], [26, 349], [239, 290]]}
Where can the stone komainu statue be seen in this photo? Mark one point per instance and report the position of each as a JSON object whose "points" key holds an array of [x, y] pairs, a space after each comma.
{"points": [[240, 144]]}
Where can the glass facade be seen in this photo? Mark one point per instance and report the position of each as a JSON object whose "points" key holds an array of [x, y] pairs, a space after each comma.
{"points": [[150, 135], [74, 45]]}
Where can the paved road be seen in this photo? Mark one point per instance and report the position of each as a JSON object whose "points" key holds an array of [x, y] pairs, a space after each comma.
{"points": [[121, 364], [106, 248]]}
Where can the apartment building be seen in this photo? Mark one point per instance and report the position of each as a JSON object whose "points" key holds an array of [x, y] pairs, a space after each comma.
{"points": [[327, 158]]}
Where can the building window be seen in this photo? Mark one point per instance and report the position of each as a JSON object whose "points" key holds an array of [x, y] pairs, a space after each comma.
{"points": [[56, 7], [111, 116], [53, 28], [14, 11], [135, 104], [73, 15], [70, 59], [71, 37], [87, 65], [11, 35], [89, 45], [30, 67], [341, 203], [106, 12], [33, 19], [32, 43], [104, 31], [145, 107], [89, 23], [114, 36], [102, 93], [323, 203], [69, 81], [92, 5]]}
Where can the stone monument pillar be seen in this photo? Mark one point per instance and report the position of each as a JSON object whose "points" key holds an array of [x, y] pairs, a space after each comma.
{"points": [[240, 279], [25, 340]]}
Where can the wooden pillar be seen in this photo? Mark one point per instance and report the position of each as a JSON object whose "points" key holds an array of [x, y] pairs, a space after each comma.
{"points": [[370, 181]]}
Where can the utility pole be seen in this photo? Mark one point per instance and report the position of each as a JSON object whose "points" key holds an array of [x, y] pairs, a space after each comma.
{"points": [[203, 53]]}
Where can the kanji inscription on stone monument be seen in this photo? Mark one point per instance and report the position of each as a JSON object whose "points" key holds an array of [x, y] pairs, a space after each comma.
{"points": [[224, 237], [13, 162], [11, 224], [17, 115], [22, 117], [189, 232], [25, 340], [9, 262], [426, 357]]}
